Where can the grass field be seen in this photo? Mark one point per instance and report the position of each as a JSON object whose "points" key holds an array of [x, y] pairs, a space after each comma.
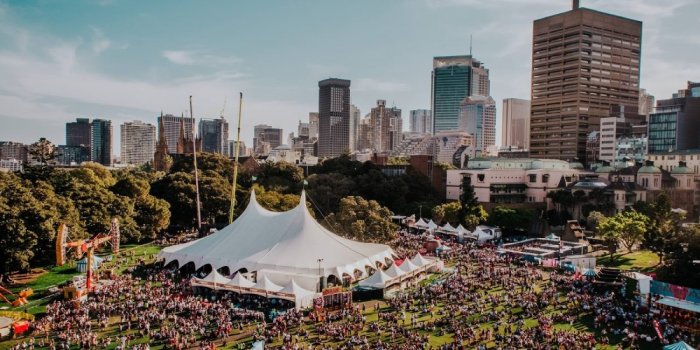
{"points": [[58, 275], [643, 261]]}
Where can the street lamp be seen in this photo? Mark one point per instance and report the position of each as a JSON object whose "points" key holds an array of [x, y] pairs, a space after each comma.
{"points": [[420, 211]]}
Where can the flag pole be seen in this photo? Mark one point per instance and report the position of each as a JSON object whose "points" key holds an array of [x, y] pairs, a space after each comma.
{"points": [[235, 162], [196, 175]]}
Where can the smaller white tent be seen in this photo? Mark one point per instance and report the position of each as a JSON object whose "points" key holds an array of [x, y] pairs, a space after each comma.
{"points": [[408, 267], [421, 223], [265, 286], [239, 282], [461, 229], [420, 261], [303, 298], [377, 280], [213, 280], [432, 225], [449, 228], [394, 271]]}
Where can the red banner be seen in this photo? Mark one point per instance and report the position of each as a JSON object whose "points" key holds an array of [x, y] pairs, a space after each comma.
{"points": [[657, 328]]}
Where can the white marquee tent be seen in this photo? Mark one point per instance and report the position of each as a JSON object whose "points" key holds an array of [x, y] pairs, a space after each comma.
{"points": [[378, 280], [291, 244]]}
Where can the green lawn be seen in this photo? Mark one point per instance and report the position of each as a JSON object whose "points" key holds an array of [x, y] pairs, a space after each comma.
{"points": [[57, 275], [643, 260]]}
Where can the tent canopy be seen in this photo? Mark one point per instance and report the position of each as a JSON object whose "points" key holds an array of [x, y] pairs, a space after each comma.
{"points": [[394, 271], [290, 242], [419, 260], [239, 281], [421, 223], [449, 228], [681, 345], [681, 304], [378, 280], [432, 225], [552, 236], [408, 266]]}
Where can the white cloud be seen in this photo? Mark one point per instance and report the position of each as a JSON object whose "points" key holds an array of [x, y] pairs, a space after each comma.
{"points": [[190, 57], [100, 43]]}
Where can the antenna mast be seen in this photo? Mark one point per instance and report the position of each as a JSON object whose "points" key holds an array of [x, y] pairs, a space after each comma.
{"points": [[196, 173], [235, 162], [470, 45]]}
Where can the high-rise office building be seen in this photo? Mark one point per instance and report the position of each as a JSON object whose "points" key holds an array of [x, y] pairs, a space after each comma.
{"points": [[364, 134], [231, 149], [354, 126], [171, 127], [72, 155], [214, 135], [675, 124], [583, 61], [515, 125], [386, 124], [421, 121], [13, 150], [78, 133], [266, 139], [313, 125], [101, 142], [258, 130], [453, 79], [646, 103], [333, 117], [620, 124], [303, 129], [138, 142], [478, 117]]}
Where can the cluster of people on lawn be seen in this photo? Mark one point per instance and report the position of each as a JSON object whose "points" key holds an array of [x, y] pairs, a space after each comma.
{"points": [[486, 298]]}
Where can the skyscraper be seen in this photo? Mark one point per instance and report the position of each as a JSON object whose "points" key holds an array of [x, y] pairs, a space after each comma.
{"points": [[354, 126], [78, 133], [386, 125], [516, 123], [138, 142], [453, 79], [478, 117], [101, 142], [583, 61], [646, 103], [333, 117], [214, 135], [171, 126], [675, 124], [421, 121], [313, 125]]}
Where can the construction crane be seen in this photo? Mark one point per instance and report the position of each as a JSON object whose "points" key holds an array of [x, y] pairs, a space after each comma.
{"points": [[86, 247]]}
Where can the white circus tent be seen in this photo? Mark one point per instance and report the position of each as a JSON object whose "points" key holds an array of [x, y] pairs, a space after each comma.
{"points": [[291, 244]]}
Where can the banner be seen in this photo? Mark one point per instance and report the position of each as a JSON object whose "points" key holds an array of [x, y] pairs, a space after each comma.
{"points": [[657, 328], [674, 291]]}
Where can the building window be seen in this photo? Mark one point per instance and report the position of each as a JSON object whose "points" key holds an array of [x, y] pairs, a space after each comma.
{"points": [[533, 178]]}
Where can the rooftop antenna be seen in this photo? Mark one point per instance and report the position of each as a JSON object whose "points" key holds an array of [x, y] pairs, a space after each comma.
{"points": [[470, 45]]}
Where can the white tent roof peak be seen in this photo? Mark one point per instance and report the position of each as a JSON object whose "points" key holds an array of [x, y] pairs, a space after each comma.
{"points": [[408, 266], [239, 281], [394, 271], [267, 285]]}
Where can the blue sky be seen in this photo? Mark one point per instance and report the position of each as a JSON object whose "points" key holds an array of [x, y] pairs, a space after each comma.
{"points": [[128, 60]]}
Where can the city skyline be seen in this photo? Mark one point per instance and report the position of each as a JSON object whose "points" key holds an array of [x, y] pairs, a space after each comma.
{"points": [[115, 64]]}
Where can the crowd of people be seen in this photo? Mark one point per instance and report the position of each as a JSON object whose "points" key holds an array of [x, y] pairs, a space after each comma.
{"points": [[482, 298]]}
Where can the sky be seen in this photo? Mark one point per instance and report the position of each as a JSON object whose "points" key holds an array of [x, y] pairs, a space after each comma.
{"points": [[131, 59]]}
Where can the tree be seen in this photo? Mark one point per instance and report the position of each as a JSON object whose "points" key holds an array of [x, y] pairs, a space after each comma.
{"points": [[281, 177], [43, 152], [664, 224], [682, 253], [510, 219], [627, 227], [275, 201], [448, 212], [17, 208], [178, 190], [472, 213], [326, 190], [363, 220], [593, 220]]}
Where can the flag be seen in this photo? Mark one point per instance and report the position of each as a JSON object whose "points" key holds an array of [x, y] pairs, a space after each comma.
{"points": [[254, 178], [306, 183]]}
